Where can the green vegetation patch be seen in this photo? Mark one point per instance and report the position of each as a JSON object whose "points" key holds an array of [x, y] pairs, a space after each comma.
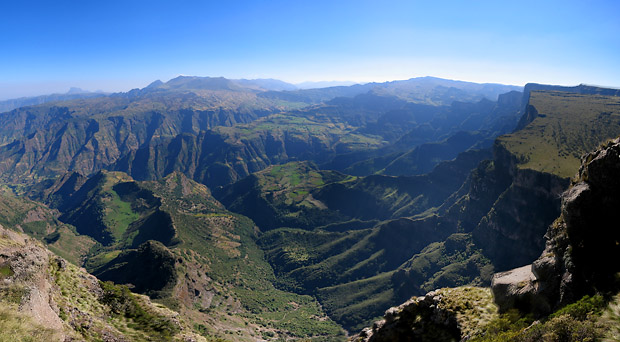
{"points": [[13, 293], [118, 214], [6, 271], [19, 327], [123, 303], [453, 262], [67, 243], [357, 304], [97, 260], [579, 321], [304, 127], [223, 246]]}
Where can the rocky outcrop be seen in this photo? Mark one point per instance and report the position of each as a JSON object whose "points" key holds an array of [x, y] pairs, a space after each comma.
{"points": [[45, 298], [25, 281], [448, 314], [580, 243], [518, 289]]}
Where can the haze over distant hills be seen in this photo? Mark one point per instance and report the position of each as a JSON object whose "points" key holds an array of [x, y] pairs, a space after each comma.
{"points": [[266, 211], [72, 94], [256, 84], [323, 84]]}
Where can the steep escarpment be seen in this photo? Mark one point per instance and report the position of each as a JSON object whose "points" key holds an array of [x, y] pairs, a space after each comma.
{"points": [[495, 221], [539, 159], [511, 232], [569, 286], [224, 155], [579, 243]]}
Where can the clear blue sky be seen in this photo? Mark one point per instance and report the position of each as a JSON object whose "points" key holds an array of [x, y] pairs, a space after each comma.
{"points": [[118, 45]]}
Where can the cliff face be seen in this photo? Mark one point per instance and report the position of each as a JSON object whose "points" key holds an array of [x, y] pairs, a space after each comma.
{"points": [[507, 204], [580, 89], [557, 128], [581, 246], [580, 243], [512, 232], [44, 141]]}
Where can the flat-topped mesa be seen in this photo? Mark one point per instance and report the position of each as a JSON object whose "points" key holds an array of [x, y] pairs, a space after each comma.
{"points": [[580, 89], [579, 243]]}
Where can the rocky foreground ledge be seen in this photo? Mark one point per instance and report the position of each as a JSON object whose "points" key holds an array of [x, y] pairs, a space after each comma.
{"points": [[447, 314]]}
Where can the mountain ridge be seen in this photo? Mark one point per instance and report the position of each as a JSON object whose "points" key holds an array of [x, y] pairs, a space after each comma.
{"points": [[326, 248]]}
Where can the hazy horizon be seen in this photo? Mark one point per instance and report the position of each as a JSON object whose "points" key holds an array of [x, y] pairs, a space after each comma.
{"points": [[117, 46], [67, 88]]}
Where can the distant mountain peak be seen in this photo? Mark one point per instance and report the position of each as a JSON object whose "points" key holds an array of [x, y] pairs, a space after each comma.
{"points": [[183, 82], [76, 90], [154, 84], [323, 84]]}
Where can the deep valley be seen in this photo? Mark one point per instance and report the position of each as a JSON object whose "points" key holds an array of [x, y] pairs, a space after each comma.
{"points": [[213, 209]]}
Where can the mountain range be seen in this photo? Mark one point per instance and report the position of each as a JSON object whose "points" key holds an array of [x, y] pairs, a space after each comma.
{"points": [[253, 210]]}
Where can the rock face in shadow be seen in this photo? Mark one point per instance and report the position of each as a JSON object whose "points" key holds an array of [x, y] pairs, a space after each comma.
{"points": [[150, 269], [448, 314], [512, 232], [581, 244]]}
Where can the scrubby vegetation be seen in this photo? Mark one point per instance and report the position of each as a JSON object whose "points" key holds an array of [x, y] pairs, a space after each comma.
{"points": [[125, 304], [580, 321], [19, 327]]}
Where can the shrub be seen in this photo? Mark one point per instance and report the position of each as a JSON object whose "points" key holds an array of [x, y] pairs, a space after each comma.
{"points": [[122, 302]]}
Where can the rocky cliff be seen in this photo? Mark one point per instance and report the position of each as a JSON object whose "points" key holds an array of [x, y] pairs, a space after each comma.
{"points": [[580, 243], [503, 210], [539, 159], [570, 289]]}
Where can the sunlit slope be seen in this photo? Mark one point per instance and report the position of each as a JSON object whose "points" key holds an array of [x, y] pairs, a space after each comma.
{"points": [[564, 127], [171, 240]]}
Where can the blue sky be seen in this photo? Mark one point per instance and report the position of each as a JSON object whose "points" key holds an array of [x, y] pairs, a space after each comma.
{"points": [[48, 46]]}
